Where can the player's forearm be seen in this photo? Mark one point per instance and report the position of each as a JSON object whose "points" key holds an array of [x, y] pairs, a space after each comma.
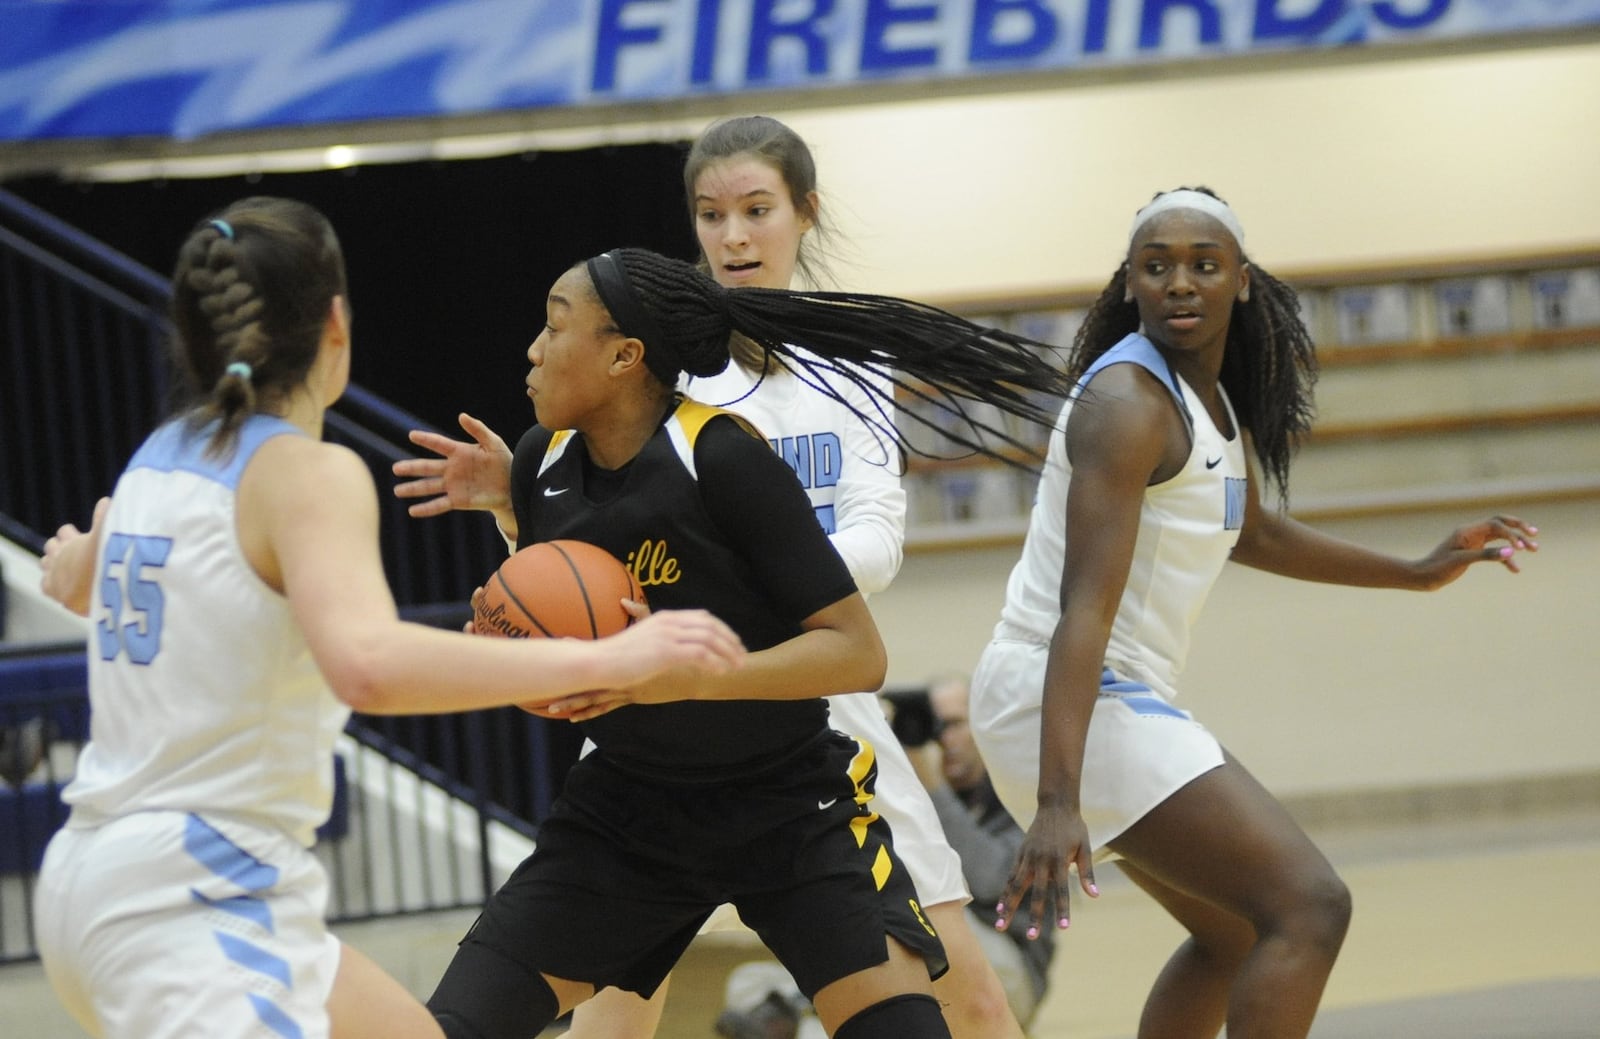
{"points": [[1286, 547], [404, 668], [821, 662]]}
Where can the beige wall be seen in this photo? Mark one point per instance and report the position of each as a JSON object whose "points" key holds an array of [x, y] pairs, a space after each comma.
{"points": [[1322, 689], [1318, 689], [1375, 162]]}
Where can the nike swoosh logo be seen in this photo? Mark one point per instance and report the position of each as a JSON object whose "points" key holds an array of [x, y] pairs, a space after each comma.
{"points": [[1211, 463], [551, 492], [823, 806]]}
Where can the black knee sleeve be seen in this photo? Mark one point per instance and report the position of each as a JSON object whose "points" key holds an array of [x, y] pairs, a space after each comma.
{"points": [[485, 995], [898, 1017]]}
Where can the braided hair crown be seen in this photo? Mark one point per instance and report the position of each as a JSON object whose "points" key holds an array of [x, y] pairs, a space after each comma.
{"points": [[690, 312], [251, 290]]}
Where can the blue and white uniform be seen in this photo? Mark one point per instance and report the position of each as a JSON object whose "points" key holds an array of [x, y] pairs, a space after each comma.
{"points": [[181, 897], [851, 471], [1140, 748]]}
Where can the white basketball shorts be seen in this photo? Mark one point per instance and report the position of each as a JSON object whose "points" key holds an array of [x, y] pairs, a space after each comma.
{"points": [[1139, 751], [165, 924]]}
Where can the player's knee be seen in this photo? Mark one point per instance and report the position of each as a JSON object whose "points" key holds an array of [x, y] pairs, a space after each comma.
{"points": [[1316, 913], [479, 998], [1331, 907], [910, 1016], [983, 1003]]}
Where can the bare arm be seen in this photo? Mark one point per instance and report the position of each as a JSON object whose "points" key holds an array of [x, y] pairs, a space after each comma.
{"points": [[838, 650], [68, 562], [1117, 440], [1282, 545], [309, 524]]}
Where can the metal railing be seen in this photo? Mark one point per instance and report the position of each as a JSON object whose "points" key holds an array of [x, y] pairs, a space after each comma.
{"points": [[429, 813], [434, 809]]}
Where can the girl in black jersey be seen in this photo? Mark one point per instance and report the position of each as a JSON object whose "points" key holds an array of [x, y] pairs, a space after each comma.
{"points": [[701, 791]]}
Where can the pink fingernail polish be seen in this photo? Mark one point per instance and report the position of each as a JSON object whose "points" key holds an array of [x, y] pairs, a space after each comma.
{"points": [[1000, 925], [1093, 890], [1064, 923], [1505, 553], [1000, 907], [1033, 932]]}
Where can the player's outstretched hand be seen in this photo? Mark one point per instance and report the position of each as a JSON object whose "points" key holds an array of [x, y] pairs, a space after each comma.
{"points": [[1057, 840], [668, 654], [466, 475], [67, 566], [1497, 539]]}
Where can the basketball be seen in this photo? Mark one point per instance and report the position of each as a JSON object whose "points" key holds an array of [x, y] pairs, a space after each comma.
{"points": [[557, 589]]}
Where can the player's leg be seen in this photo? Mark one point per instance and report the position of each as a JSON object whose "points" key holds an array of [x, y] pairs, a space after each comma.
{"points": [[367, 1003], [876, 994], [1222, 847], [974, 1000], [975, 1003], [616, 1014], [488, 994], [1198, 978]]}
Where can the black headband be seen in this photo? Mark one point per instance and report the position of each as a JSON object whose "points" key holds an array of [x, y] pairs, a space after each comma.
{"points": [[633, 320]]}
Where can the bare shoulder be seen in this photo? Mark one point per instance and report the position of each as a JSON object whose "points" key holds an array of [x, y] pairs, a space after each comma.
{"points": [[1123, 406], [295, 481], [307, 464]]}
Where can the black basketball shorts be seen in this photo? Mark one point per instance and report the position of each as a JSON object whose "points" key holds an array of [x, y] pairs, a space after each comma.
{"points": [[626, 869]]}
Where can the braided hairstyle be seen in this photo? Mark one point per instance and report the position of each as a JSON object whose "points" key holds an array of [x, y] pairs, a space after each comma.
{"points": [[251, 292], [935, 358], [1269, 365]]}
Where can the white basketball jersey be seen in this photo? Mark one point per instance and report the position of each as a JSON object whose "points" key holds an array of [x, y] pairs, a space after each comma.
{"points": [[203, 695], [850, 469], [1188, 525]]}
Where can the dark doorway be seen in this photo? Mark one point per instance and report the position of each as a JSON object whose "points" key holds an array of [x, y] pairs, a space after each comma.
{"points": [[449, 262]]}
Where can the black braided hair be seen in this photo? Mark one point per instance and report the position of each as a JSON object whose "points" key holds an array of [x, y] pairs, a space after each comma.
{"points": [[252, 287], [935, 358], [1269, 366]]}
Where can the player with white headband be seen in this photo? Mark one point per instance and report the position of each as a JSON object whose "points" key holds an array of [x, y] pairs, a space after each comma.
{"points": [[1192, 360]]}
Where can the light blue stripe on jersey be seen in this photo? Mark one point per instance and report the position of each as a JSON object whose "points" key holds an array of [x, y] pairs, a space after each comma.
{"points": [[176, 448], [274, 1018], [246, 907], [225, 858], [254, 957], [231, 862], [1126, 693]]}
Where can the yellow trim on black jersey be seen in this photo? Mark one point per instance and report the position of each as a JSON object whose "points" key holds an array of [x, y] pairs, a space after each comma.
{"points": [[691, 416]]}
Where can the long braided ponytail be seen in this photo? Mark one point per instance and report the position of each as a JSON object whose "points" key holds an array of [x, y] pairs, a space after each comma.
{"points": [[251, 290], [933, 357]]}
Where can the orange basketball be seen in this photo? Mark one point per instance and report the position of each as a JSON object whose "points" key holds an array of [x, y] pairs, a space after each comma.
{"points": [[557, 589]]}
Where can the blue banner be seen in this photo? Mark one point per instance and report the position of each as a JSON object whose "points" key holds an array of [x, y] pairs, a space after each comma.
{"points": [[184, 68]]}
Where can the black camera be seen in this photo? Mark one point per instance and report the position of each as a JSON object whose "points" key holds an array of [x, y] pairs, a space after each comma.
{"points": [[911, 716]]}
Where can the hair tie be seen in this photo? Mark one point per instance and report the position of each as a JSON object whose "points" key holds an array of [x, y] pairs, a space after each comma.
{"points": [[226, 230], [239, 368], [1185, 198]]}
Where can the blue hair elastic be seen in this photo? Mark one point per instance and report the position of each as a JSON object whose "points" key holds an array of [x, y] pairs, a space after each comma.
{"points": [[227, 232], [239, 368]]}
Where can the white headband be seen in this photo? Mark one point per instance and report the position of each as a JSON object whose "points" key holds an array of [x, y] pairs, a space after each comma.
{"points": [[1186, 199]]}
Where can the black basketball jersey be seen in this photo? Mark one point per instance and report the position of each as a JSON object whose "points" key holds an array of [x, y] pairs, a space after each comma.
{"points": [[745, 546]]}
